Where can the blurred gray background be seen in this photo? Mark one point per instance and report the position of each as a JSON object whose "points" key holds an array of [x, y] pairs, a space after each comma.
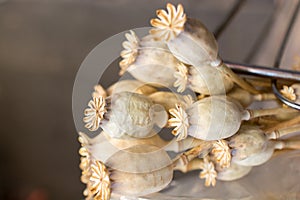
{"points": [[42, 44]]}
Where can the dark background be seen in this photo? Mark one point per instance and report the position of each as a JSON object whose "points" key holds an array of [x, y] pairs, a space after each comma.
{"points": [[42, 44]]}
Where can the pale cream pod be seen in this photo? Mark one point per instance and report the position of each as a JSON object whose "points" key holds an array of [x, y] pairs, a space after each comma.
{"points": [[265, 155], [166, 99], [99, 147], [249, 140], [214, 118], [292, 92], [211, 118], [191, 42], [134, 115], [131, 86], [233, 172], [188, 39], [127, 142], [260, 157], [246, 98], [125, 113], [134, 171], [103, 146], [204, 80], [139, 170], [148, 61], [170, 99], [252, 147]]}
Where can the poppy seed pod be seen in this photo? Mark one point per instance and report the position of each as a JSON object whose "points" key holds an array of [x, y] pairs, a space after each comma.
{"points": [[133, 114], [130, 86], [170, 99], [245, 98], [191, 42], [265, 154], [258, 158], [139, 170], [150, 61], [135, 171], [233, 172], [125, 113], [215, 118], [249, 140], [211, 118], [188, 39], [204, 80], [292, 93]]}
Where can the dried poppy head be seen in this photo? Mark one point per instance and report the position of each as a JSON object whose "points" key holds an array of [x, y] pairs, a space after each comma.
{"points": [[188, 39], [148, 61]]}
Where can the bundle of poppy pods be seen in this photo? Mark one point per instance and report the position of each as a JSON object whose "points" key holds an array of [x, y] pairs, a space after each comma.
{"points": [[183, 90]]}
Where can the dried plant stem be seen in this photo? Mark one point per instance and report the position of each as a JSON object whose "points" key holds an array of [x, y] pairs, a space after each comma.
{"points": [[284, 124], [238, 80], [264, 121], [263, 82], [284, 131], [183, 145], [288, 144], [192, 165], [123, 143], [174, 145], [188, 156], [264, 97], [281, 152], [271, 111]]}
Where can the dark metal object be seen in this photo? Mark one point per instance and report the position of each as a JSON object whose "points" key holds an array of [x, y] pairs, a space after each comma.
{"points": [[275, 72], [278, 60], [262, 71]]}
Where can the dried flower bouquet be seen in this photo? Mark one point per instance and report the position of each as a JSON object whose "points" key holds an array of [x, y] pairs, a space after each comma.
{"points": [[214, 131]]}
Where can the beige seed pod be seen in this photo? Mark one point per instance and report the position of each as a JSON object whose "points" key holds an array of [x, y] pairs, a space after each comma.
{"points": [[134, 114], [130, 86], [140, 170], [249, 140], [264, 154], [195, 45], [125, 113], [209, 81], [188, 39], [233, 172], [292, 93], [251, 146], [173, 145], [245, 98], [211, 118], [153, 63], [166, 99], [258, 158], [102, 147], [205, 80], [214, 118], [137, 170], [169, 99]]}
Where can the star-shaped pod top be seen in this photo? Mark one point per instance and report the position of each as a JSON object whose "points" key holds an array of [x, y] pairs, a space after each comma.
{"points": [[188, 39]]}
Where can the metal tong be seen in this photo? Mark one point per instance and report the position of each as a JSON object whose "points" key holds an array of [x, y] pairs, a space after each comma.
{"points": [[274, 73]]}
